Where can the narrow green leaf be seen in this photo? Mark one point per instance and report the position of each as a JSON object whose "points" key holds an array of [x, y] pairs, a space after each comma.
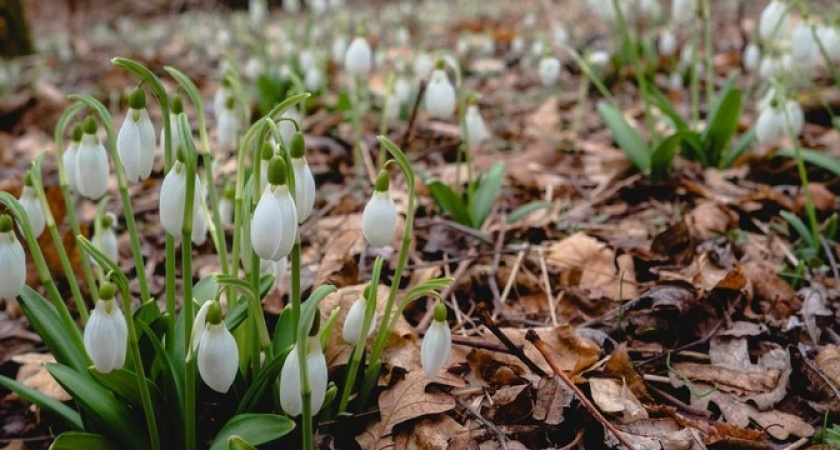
{"points": [[721, 125], [627, 138], [256, 429], [108, 414], [449, 201], [45, 321], [33, 396], [310, 307], [664, 104], [173, 374], [800, 227], [738, 149], [663, 157], [485, 195], [237, 443], [262, 382], [206, 289], [523, 211], [123, 383], [814, 157], [75, 440]]}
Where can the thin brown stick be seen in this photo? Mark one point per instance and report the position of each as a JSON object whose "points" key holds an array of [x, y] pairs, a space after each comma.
{"points": [[515, 350], [534, 338], [488, 424], [407, 136]]}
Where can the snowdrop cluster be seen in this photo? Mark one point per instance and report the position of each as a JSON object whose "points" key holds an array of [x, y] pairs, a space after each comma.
{"points": [[778, 119]]}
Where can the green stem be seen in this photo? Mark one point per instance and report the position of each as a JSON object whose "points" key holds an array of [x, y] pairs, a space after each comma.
{"points": [[810, 209], [583, 96], [695, 79], [38, 185], [358, 159], [710, 69]]}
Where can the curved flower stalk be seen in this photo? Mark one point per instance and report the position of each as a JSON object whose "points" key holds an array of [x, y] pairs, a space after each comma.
{"points": [[91, 163], [106, 239], [32, 205], [136, 139], [275, 224], [379, 219], [437, 344], [69, 159], [173, 192], [218, 355], [106, 333], [358, 60], [440, 94], [291, 398], [304, 180], [12, 260]]}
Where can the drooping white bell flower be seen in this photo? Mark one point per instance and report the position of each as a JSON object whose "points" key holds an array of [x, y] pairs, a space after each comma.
{"points": [[402, 37], [402, 90], [218, 356], [257, 12], [32, 205], [774, 20], [226, 205], [338, 49], [176, 108], [12, 260], [106, 333], [358, 60], [221, 95], [379, 219], [69, 159], [517, 45], [437, 343], [475, 126], [423, 66], [91, 164], [804, 49], [829, 36], [306, 60], [537, 48], [462, 46], [254, 67], [136, 139], [227, 126], [354, 321], [751, 57], [770, 126], [275, 225], [318, 7], [291, 398], [675, 81], [598, 60], [771, 66], [173, 196], [440, 94], [549, 70], [667, 44], [106, 239], [682, 11], [312, 79], [304, 181], [796, 116]]}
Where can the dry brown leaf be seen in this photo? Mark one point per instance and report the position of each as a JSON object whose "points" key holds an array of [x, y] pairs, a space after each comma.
{"points": [[34, 374], [828, 360], [773, 293], [545, 120], [615, 398], [553, 397], [659, 433], [572, 352], [434, 433], [486, 367], [729, 380], [777, 424], [337, 265], [589, 264], [620, 367], [709, 220]]}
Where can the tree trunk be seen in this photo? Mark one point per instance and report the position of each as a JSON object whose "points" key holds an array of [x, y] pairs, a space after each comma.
{"points": [[15, 39]]}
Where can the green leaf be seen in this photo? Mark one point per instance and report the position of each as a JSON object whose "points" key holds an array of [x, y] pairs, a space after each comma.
{"points": [[814, 157], [627, 138], [237, 315], [237, 443], [449, 201], [525, 210], [800, 227], [310, 307], [256, 429], [124, 383], [738, 149], [722, 123], [33, 396], [173, 374], [262, 382], [106, 413], [663, 157], [45, 321], [662, 102], [284, 333], [484, 197], [75, 440], [345, 103], [206, 289]]}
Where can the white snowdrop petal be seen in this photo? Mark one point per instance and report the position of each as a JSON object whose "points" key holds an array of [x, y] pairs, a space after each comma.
{"points": [[121, 336], [769, 127], [316, 366], [226, 211], [172, 197], [69, 158], [440, 96], [227, 129], [358, 59], [92, 168], [129, 147], [147, 143], [476, 129], [265, 236], [12, 266], [304, 189], [287, 128], [100, 338], [34, 212], [290, 386], [549, 70], [288, 227], [107, 243], [773, 20], [176, 135], [354, 321], [437, 344], [752, 56], [379, 219], [667, 43], [218, 358]]}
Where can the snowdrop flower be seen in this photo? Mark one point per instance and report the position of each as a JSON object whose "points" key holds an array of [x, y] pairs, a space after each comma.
{"points": [[355, 319], [537, 48], [136, 139], [437, 344], [774, 18], [339, 47], [599, 59], [12, 260], [751, 57], [559, 35], [462, 46], [218, 356], [804, 49], [517, 45], [291, 398], [379, 219], [318, 6], [30, 203], [304, 181], [106, 333], [796, 117], [91, 163], [106, 239], [173, 193], [306, 59], [675, 81], [771, 66], [254, 67], [275, 223], [402, 37], [440, 94], [257, 12], [402, 90], [682, 11], [358, 60], [69, 159], [227, 126], [829, 36], [292, 6], [312, 79], [770, 126], [221, 95], [177, 108], [226, 205], [476, 130], [423, 66], [667, 43], [549, 70]]}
